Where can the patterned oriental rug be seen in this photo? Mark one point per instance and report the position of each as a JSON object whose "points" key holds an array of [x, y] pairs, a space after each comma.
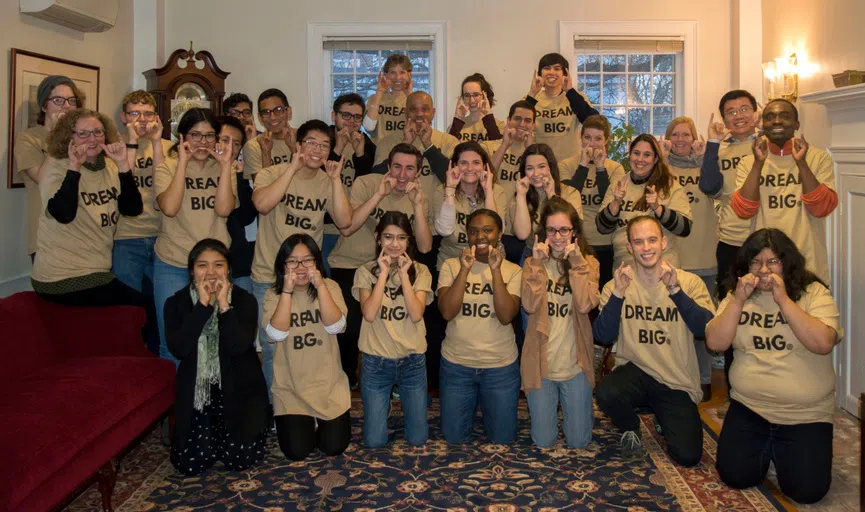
{"points": [[473, 477]]}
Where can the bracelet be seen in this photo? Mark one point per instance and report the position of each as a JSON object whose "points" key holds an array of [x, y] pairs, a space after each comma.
{"points": [[449, 186], [132, 146], [287, 293], [224, 310]]}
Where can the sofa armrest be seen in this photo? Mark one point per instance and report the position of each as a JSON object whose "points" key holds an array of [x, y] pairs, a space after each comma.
{"points": [[95, 331]]}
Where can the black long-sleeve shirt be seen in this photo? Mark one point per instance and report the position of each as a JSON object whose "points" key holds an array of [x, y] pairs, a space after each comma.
{"points": [[63, 206]]}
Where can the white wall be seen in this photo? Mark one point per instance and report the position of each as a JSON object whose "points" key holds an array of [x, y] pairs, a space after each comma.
{"points": [[112, 51], [503, 39]]}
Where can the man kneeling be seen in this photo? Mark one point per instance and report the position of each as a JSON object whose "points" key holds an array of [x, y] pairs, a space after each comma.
{"points": [[654, 310]]}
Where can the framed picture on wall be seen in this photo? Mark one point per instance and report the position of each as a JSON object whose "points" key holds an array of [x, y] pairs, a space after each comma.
{"points": [[28, 70]]}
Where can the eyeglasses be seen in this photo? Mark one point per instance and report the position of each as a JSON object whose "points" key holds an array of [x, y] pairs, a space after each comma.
{"points": [[348, 115], [743, 110], [399, 238], [233, 112], [323, 146], [472, 95], [60, 101], [96, 132], [757, 264], [561, 231], [306, 262], [197, 136], [135, 114], [269, 112], [236, 142]]}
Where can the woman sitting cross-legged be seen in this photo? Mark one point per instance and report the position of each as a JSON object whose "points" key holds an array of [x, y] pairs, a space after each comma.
{"points": [[221, 399]]}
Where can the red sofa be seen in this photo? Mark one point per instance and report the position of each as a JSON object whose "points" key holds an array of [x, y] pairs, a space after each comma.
{"points": [[77, 386]]}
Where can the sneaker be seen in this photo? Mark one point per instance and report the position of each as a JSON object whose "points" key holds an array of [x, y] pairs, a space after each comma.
{"points": [[395, 392], [631, 446], [657, 426]]}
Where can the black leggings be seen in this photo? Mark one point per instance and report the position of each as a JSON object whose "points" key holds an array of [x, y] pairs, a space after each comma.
{"points": [[298, 435], [348, 350], [725, 254], [802, 454], [604, 254], [113, 293]]}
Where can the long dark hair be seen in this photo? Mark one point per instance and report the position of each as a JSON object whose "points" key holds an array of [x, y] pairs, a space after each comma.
{"points": [[558, 205], [796, 276], [485, 86], [533, 199], [661, 177], [208, 244], [285, 251], [471, 145], [400, 220], [191, 118]]}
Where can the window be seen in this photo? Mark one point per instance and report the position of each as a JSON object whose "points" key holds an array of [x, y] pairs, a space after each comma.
{"points": [[639, 87], [357, 70]]}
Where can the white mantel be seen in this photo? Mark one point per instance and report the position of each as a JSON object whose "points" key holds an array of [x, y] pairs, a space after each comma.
{"points": [[845, 107]]}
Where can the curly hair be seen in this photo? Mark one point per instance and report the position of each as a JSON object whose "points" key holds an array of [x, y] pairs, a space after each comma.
{"points": [[139, 97], [58, 140], [558, 205], [661, 176], [796, 277]]}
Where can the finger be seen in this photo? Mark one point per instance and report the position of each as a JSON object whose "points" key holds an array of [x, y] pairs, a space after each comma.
{"points": [[473, 251], [711, 120]]}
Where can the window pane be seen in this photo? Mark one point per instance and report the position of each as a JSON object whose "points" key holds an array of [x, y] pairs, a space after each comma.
{"points": [[665, 63], [588, 63], [342, 84], [639, 89], [590, 85], [366, 85], [616, 115], [419, 60], [663, 116], [367, 61], [664, 89], [639, 119], [420, 82], [614, 63], [639, 62], [614, 89], [343, 61]]}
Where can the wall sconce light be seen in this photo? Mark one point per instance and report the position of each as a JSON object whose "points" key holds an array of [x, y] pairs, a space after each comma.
{"points": [[782, 78]]}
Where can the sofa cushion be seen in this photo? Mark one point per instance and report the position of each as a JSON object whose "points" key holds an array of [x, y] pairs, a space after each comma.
{"points": [[54, 413], [26, 343]]}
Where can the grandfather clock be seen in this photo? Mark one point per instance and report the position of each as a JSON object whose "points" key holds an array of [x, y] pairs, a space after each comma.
{"points": [[188, 80]]}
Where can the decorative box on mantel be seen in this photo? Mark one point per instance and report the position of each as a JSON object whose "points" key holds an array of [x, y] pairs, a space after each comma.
{"points": [[845, 107]]}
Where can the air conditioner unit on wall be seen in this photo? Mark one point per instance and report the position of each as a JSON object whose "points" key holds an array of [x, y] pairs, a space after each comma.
{"points": [[83, 15]]}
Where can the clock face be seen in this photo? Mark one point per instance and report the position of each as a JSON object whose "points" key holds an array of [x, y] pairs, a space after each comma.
{"points": [[189, 95]]}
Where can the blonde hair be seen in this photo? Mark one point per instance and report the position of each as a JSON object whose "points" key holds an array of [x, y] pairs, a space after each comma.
{"points": [[139, 97], [58, 140], [681, 120]]}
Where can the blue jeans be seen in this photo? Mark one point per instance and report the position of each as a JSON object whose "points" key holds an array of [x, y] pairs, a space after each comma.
{"points": [[267, 348], [327, 245], [132, 261], [244, 282], [167, 280], [379, 376], [575, 395], [496, 389], [704, 358]]}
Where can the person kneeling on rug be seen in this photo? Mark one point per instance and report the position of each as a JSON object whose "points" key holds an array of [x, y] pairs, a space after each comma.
{"points": [[221, 399], [302, 314], [654, 310], [782, 323]]}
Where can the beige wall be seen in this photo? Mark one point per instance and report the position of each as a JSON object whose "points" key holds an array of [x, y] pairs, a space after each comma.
{"points": [[112, 51], [832, 33]]}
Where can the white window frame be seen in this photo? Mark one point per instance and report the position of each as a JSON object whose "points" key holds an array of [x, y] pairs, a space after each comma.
{"points": [[319, 66], [686, 65]]}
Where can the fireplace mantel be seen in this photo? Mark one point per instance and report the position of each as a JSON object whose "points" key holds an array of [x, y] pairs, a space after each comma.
{"points": [[846, 109]]}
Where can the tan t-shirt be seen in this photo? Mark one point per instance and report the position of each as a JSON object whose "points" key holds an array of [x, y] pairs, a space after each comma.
{"points": [[359, 248], [393, 334], [561, 346], [781, 204], [508, 172], [444, 141], [348, 174], [476, 131], [773, 374], [697, 250], [301, 210], [475, 337], [252, 163], [591, 197], [556, 125], [147, 224], [307, 374], [732, 229], [391, 117], [82, 246], [677, 200], [454, 243], [653, 335], [569, 194], [197, 218], [30, 152]]}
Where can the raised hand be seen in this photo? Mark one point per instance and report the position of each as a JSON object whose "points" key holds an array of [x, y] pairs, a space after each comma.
{"points": [[250, 131], [343, 138], [573, 254], [184, 150], [669, 276], [404, 262], [383, 83], [77, 155], [699, 146], [487, 180], [386, 185], [204, 291], [383, 263], [265, 142], [358, 143], [467, 258], [509, 137], [425, 134], [652, 198], [334, 169], [716, 131], [567, 82], [462, 111], [549, 187], [745, 287], [666, 147], [315, 278], [409, 133], [289, 280], [154, 130], [131, 133], [484, 106], [535, 85], [621, 190], [453, 177], [117, 152], [760, 147], [415, 193], [298, 161], [599, 156], [779, 291], [523, 185], [222, 289], [222, 152], [290, 137], [540, 251], [623, 277], [758, 117], [495, 258], [800, 149]]}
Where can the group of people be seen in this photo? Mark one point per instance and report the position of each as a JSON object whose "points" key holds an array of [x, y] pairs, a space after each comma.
{"points": [[534, 245]]}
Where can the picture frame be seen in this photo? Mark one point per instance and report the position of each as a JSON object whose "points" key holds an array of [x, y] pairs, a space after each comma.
{"points": [[28, 70]]}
